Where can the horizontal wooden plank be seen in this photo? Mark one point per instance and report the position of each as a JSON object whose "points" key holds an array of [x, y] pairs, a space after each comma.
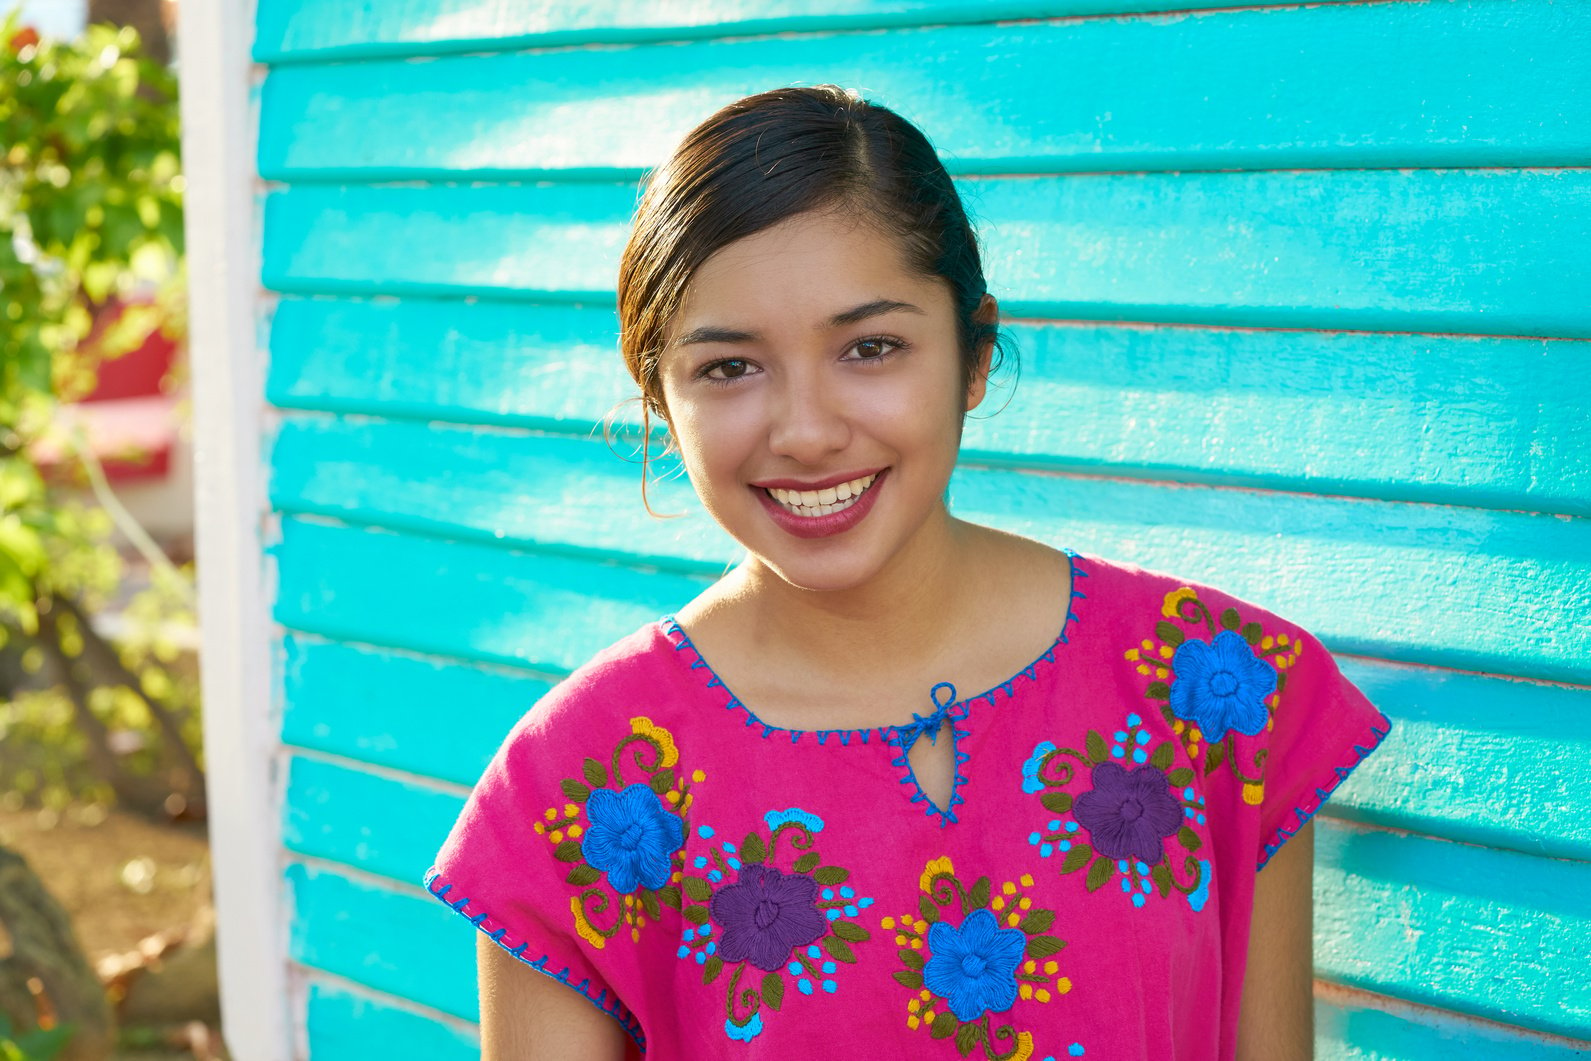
{"points": [[1339, 250], [1455, 84], [1454, 420], [1447, 766], [402, 942], [1357, 1027], [491, 604], [1418, 919], [309, 30], [1491, 933], [1417, 583], [1468, 589], [398, 710], [327, 814], [344, 1025]]}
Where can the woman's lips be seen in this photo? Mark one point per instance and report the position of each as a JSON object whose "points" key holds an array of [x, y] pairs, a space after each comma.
{"points": [[823, 526]]}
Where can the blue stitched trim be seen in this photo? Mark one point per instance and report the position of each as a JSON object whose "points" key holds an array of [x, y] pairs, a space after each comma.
{"points": [[1340, 774], [885, 734], [603, 999]]}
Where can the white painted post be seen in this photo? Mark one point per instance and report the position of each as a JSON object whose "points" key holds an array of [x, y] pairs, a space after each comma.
{"points": [[219, 129]]}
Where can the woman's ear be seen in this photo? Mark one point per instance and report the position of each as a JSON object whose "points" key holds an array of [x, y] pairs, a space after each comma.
{"points": [[987, 313]]}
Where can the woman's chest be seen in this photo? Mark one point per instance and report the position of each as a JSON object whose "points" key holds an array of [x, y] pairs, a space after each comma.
{"points": [[1061, 906]]}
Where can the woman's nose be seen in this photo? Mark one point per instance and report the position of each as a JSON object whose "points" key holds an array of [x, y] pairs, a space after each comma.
{"points": [[808, 421]]}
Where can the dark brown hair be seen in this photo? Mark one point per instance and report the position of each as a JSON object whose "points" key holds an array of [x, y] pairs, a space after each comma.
{"points": [[774, 155]]}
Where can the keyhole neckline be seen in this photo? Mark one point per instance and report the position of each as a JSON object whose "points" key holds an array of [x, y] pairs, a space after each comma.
{"points": [[951, 709]]}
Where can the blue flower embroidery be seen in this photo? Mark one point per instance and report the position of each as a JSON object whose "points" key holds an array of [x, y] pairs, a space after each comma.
{"points": [[744, 1032], [1030, 767], [974, 969], [1221, 685], [632, 838]]}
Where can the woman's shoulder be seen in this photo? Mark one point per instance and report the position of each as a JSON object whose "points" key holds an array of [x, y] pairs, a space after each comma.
{"points": [[1128, 591]]}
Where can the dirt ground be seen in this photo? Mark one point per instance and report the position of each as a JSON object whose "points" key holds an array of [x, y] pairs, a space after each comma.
{"points": [[132, 888]]}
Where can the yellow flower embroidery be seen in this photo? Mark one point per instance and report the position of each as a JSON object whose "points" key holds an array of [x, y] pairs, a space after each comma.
{"points": [[1174, 600], [934, 869], [583, 927], [644, 727]]}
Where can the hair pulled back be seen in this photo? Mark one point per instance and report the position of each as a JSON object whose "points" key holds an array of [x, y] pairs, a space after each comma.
{"points": [[769, 157]]}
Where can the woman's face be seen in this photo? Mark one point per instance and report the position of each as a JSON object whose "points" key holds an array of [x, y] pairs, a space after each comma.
{"points": [[814, 387]]}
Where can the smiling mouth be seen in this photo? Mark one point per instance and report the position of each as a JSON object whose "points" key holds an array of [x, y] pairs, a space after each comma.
{"points": [[825, 502]]}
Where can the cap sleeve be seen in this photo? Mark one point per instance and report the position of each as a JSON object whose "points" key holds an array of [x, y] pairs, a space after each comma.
{"points": [[533, 862], [1322, 727]]}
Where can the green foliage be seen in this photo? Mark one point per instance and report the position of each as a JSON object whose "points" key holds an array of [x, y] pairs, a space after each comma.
{"points": [[33, 1046], [90, 210]]}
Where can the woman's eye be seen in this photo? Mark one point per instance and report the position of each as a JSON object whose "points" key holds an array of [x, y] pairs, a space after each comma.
{"points": [[732, 368], [875, 348]]}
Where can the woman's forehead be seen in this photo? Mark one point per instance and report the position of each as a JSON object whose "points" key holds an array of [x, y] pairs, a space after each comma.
{"points": [[805, 271]]}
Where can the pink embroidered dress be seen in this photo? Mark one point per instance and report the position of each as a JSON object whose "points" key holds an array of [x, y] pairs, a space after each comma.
{"points": [[725, 888]]}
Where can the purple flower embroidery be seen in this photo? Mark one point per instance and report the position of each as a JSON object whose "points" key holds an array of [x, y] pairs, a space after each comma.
{"points": [[632, 838], [766, 915], [974, 968], [1221, 685], [1128, 815]]}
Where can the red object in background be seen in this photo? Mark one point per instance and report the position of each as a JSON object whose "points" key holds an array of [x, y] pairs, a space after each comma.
{"points": [[130, 422]]}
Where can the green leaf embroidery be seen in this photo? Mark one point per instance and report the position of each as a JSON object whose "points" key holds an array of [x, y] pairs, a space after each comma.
{"points": [[831, 875], [752, 851], [1059, 802], [697, 888], [1230, 619], [662, 781], [574, 791], [1044, 946], [1252, 633], [839, 948], [1214, 758], [596, 774], [669, 895], [568, 851], [1037, 921], [650, 905], [944, 1024], [1100, 872], [712, 968], [1162, 878], [911, 980], [1181, 777], [930, 911], [1076, 858], [848, 931], [696, 914], [912, 959], [1096, 747], [1158, 691], [1162, 756], [968, 1036], [1170, 633], [582, 875], [1189, 839], [978, 897], [806, 862], [773, 990]]}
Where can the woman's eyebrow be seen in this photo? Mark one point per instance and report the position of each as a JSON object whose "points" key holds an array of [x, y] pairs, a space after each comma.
{"points": [[713, 334]]}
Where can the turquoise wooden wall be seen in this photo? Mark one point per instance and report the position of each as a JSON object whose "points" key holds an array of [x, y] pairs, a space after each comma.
{"points": [[1303, 300]]}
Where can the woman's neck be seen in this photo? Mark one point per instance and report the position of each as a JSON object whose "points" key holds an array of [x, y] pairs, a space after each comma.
{"points": [[898, 615]]}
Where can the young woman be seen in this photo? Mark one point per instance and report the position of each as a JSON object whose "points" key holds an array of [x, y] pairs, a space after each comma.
{"points": [[898, 785]]}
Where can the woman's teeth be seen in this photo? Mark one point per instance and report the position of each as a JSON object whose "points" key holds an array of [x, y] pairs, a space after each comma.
{"points": [[822, 502]]}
